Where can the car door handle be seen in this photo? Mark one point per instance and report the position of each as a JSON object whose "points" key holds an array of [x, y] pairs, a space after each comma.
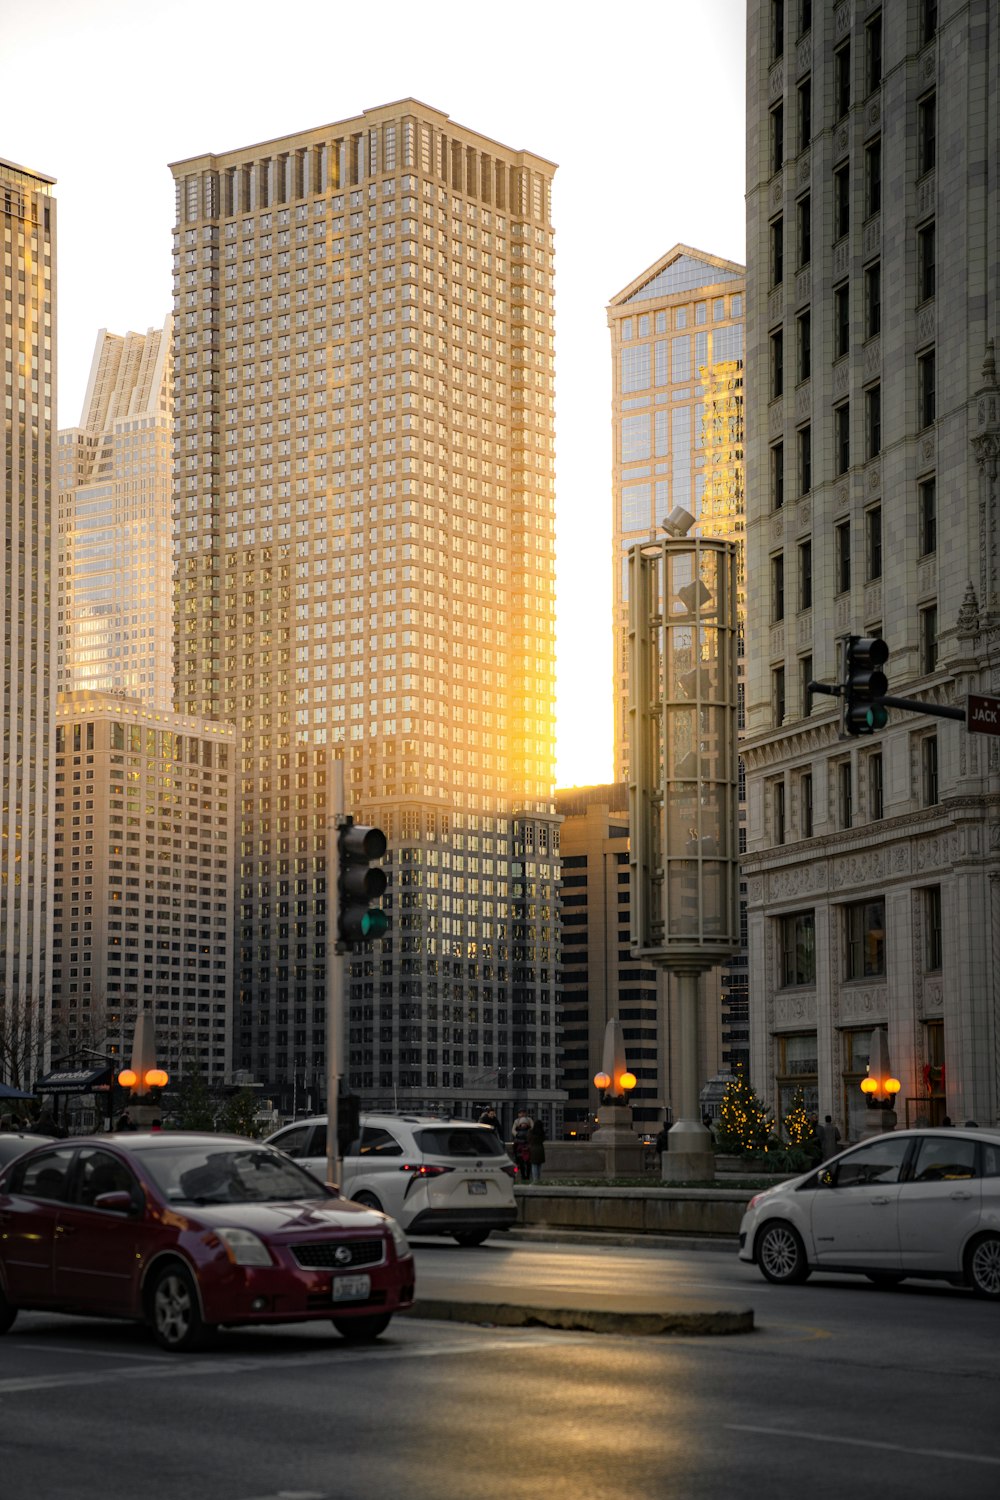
{"points": [[960, 1197], [878, 1202], [65, 1229]]}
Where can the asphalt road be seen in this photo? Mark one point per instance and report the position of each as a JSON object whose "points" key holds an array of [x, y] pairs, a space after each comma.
{"points": [[841, 1390]]}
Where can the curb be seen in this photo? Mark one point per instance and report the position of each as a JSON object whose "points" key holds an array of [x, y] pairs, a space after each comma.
{"points": [[727, 1244], [507, 1315]]}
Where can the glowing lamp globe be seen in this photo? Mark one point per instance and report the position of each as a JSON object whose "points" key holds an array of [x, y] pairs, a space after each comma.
{"points": [[127, 1078], [627, 1080], [892, 1085], [868, 1085], [602, 1080], [155, 1078]]}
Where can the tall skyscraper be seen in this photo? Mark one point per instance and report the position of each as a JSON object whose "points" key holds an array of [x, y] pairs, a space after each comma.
{"points": [[364, 518], [677, 358], [26, 380], [873, 426], [115, 533]]}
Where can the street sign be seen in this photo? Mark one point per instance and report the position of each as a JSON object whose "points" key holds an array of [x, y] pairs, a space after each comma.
{"points": [[982, 714]]}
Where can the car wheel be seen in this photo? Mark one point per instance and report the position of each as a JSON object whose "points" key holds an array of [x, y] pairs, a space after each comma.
{"points": [[7, 1312], [470, 1237], [369, 1200], [983, 1267], [885, 1280], [175, 1313], [362, 1330], [781, 1254]]}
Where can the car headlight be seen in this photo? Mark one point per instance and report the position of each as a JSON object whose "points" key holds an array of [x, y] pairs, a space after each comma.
{"points": [[244, 1248], [399, 1239]]}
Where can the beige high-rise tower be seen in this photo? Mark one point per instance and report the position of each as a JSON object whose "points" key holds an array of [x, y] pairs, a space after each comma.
{"points": [[27, 377], [364, 521], [114, 525]]}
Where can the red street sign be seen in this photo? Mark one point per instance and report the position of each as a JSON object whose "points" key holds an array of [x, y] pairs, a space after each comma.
{"points": [[982, 714]]}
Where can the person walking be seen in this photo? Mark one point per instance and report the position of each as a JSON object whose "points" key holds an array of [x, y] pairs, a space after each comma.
{"points": [[521, 1135], [536, 1150], [489, 1119], [828, 1137], [662, 1142]]}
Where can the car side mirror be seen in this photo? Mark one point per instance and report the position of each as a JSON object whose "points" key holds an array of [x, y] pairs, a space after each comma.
{"points": [[118, 1202], [826, 1179]]}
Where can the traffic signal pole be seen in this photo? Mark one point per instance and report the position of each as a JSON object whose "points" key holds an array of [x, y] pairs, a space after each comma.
{"points": [[334, 976], [914, 705]]}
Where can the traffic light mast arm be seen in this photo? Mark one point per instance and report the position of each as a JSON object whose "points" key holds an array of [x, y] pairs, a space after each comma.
{"points": [[889, 700]]}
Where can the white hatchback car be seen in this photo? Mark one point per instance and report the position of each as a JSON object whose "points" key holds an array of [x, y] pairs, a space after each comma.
{"points": [[432, 1176], [908, 1203]]}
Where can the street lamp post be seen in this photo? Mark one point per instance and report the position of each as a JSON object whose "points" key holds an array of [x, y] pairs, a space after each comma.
{"points": [[880, 1087]]}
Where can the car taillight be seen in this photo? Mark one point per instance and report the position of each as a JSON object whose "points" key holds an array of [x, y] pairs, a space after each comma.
{"points": [[419, 1171], [510, 1169]]}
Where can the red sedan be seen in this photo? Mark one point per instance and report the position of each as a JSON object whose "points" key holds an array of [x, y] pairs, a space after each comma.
{"points": [[189, 1232]]}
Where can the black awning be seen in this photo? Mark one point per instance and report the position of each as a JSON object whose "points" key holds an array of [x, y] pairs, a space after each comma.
{"points": [[75, 1081]]}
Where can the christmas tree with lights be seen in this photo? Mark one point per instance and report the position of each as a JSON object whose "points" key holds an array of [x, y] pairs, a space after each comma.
{"points": [[798, 1126], [745, 1123]]}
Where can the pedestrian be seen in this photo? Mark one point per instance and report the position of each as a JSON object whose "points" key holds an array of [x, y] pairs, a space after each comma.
{"points": [[124, 1121], [662, 1143], [946, 1123], [536, 1150], [489, 1119], [828, 1137], [521, 1135]]}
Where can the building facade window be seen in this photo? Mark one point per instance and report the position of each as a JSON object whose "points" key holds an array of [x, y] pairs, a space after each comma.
{"points": [[777, 587], [926, 134], [842, 540], [841, 200], [778, 695], [803, 341], [805, 13], [873, 421], [842, 437], [798, 948], [777, 465], [929, 787], [933, 946], [778, 807], [927, 515], [845, 795], [777, 363], [928, 638], [876, 800], [873, 300], [777, 29], [806, 804], [795, 1071], [841, 320], [842, 81], [926, 388], [864, 934], [777, 137], [804, 93], [873, 177], [805, 678], [926, 261], [804, 446], [805, 575], [803, 231], [777, 257], [928, 20], [873, 542], [873, 53]]}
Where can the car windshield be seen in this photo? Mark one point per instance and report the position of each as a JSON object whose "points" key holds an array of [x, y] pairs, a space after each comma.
{"points": [[444, 1140], [206, 1173]]}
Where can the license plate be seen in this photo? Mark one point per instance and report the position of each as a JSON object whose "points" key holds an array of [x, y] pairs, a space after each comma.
{"points": [[351, 1288], [477, 1187]]}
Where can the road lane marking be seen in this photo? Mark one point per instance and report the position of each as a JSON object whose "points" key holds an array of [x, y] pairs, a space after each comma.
{"points": [[173, 1365], [86, 1351], [823, 1437]]}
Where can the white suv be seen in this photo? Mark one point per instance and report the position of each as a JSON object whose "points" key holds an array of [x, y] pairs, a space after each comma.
{"points": [[433, 1176]]}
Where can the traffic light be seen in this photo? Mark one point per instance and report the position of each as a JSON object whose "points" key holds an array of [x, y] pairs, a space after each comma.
{"points": [[864, 684], [361, 883]]}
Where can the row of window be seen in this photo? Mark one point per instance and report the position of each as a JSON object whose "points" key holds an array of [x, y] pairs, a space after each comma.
{"points": [[872, 788], [927, 544], [862, 939]]}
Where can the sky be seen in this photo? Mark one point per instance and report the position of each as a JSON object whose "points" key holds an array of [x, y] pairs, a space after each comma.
{"points": [[641, 104]]}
